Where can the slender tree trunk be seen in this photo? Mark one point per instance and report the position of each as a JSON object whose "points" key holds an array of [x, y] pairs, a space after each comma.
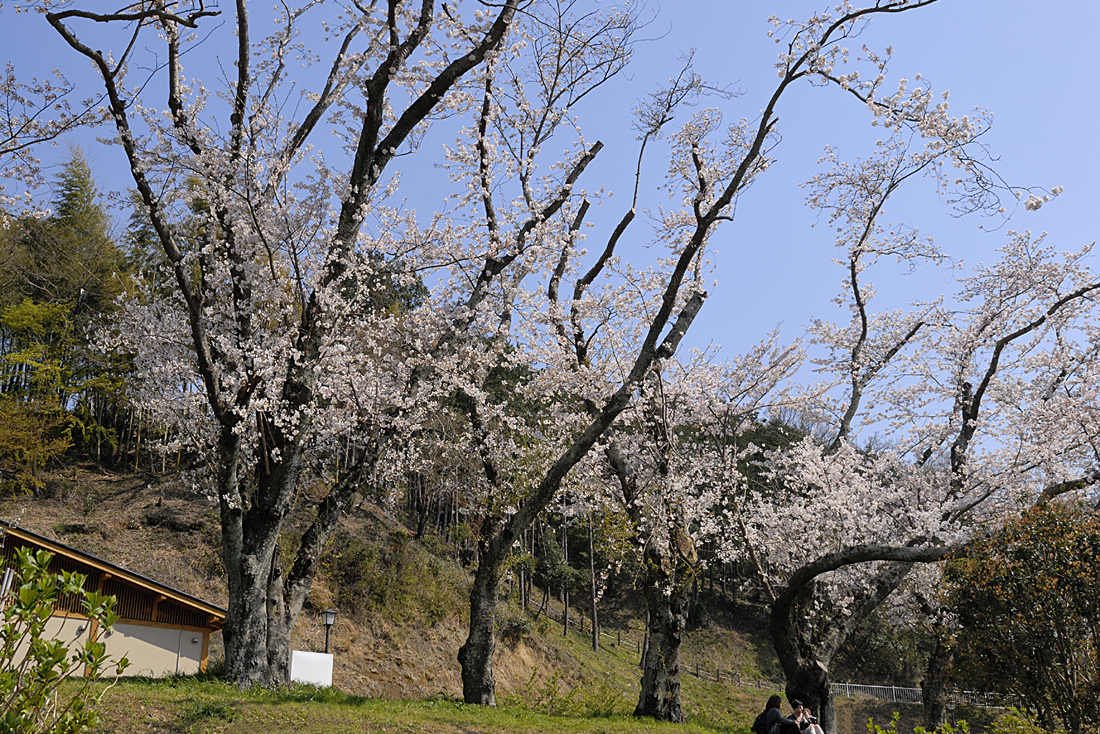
{"points": [[592, 576], [565, 585], [531, 576]]}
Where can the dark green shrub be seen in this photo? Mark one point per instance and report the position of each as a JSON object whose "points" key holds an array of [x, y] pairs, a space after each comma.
{"points": [[401, 578], [515, 628]]}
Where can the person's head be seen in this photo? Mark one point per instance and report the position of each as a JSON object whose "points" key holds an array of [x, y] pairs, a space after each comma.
{"points": [[773, 702], [796, 704]]}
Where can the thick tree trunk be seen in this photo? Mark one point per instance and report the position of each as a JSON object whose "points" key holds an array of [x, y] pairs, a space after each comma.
{"points": [[247, 561], [279, 624], [245, 631], [668, 597], [809, 683], [805, 646], [264, 602], [476, 656], [660, 694], [934, 686]]}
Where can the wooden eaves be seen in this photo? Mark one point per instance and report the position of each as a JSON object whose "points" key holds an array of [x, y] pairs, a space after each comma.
{"points": [[215, 614]]}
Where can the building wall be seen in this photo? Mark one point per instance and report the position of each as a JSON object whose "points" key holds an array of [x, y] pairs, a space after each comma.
{"points": [[64, 628], [157, 634], [154, 650]]}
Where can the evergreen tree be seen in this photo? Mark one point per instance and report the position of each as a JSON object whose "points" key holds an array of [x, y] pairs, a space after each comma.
{"points": [[59, 278]]}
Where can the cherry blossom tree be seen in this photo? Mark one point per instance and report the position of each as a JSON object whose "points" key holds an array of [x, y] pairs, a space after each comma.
{"points": [[979, 402], [621, 321], [680, 444], [273, 356], [263, 241], [33, 113]]}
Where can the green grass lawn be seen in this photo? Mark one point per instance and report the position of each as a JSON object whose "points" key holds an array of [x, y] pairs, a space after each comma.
{"points": [[193, 705]]}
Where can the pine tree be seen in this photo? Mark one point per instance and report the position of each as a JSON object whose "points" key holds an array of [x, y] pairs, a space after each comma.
{"points": [[59, 278]]}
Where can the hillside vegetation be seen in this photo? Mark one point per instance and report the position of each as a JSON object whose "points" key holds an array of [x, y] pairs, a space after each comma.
{"points": [[402, 606]]}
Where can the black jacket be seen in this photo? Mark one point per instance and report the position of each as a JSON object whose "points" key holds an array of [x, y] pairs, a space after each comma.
{"points": [[774, 717]]}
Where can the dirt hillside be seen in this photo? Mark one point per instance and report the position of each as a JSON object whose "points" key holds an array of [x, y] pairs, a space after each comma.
{"points": [[158, 529]]}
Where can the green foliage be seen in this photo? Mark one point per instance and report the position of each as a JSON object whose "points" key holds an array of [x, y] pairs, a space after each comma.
{"points": [[38, 337], [401, 580], [1028, 603], [29, 437], [514, 628], [551, 570], [873, 728], [59, 278], [883, 652], [961, 727], [1016, 722], [33, 667], [70, 257]]}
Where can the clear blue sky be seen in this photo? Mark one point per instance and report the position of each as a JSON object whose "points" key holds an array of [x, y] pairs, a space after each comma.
{"points": [[1032, 64]]}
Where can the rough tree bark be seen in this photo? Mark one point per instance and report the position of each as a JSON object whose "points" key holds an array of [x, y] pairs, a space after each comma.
{"points": [[934, 685], [669, 574], [476, 654], [670, 560], [498, 536]]}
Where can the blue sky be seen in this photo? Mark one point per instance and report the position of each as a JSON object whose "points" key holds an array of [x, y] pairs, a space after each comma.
{"points": [[1031, 64]]}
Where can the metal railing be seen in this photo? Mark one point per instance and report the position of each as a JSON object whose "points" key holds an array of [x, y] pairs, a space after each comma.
{"points": [[893, 694], [897, 694]]}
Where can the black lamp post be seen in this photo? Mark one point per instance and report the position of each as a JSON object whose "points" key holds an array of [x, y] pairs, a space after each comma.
{"points": [[329, 618]]}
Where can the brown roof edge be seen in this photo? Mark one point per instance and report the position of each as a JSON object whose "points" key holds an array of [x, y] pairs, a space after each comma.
{"points": [[175, 595]]}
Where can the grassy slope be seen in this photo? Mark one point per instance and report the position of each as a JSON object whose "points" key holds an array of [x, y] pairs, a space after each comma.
{"points": [[397, 659], [206, 706], [188, 705]]}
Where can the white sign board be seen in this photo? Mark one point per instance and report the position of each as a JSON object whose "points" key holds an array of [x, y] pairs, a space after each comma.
{"points": [[314, 668]]}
